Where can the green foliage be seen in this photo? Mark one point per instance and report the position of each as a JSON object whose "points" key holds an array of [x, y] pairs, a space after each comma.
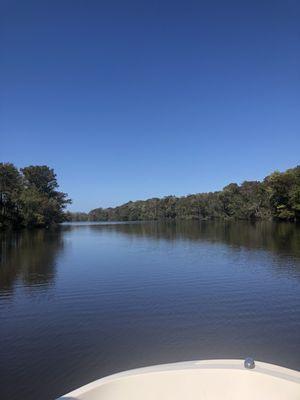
{"points": [[77, 216], [29, 197], [278, 197], [40, 177], [284, 194], [10, 189]]}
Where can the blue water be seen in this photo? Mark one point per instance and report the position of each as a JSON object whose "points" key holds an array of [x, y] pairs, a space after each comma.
{"points": [[86, 300]]}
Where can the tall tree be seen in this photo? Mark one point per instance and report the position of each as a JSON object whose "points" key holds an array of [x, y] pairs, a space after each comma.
{"points": [[42, 204], [284, 193], [10, 190]]}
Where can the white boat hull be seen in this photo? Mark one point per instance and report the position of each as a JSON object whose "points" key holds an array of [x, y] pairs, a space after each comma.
{"points": [[195, 380]]}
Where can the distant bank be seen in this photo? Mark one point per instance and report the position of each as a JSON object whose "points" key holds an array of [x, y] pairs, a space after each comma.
{"points": [[276, 197]]}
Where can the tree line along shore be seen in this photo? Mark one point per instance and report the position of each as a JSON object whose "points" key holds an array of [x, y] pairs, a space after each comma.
{"points": [[29, 198], [276, 197]]}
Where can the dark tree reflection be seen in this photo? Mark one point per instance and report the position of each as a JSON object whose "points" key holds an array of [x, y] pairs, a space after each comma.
{"points": [[282, 237], [29, 256]]}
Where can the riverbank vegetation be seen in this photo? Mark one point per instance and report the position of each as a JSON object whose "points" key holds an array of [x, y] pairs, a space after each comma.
{"points": [[276, 197], [29, 197]]}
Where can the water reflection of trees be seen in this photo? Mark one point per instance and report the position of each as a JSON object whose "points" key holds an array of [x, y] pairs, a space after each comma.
{"points": [[29, 256], [283, 238]]}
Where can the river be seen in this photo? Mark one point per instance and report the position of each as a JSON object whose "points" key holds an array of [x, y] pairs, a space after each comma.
{"points": [[86, 300]]}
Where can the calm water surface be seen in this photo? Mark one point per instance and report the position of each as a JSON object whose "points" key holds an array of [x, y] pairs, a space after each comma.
{"points": [[84, 301]]}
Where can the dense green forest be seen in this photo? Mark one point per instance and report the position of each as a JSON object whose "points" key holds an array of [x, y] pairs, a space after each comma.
{"points": [[29, 197], [276, 197]]}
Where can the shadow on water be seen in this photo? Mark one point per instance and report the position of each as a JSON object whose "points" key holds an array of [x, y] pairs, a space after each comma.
{"points": [[29, 256], [281, 238]]}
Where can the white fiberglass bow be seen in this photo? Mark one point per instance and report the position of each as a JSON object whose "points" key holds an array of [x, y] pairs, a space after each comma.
{"points": [[196, 380]]}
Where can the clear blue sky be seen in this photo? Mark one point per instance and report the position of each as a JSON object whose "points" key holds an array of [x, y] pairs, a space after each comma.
{"points": [[129, 99]]}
